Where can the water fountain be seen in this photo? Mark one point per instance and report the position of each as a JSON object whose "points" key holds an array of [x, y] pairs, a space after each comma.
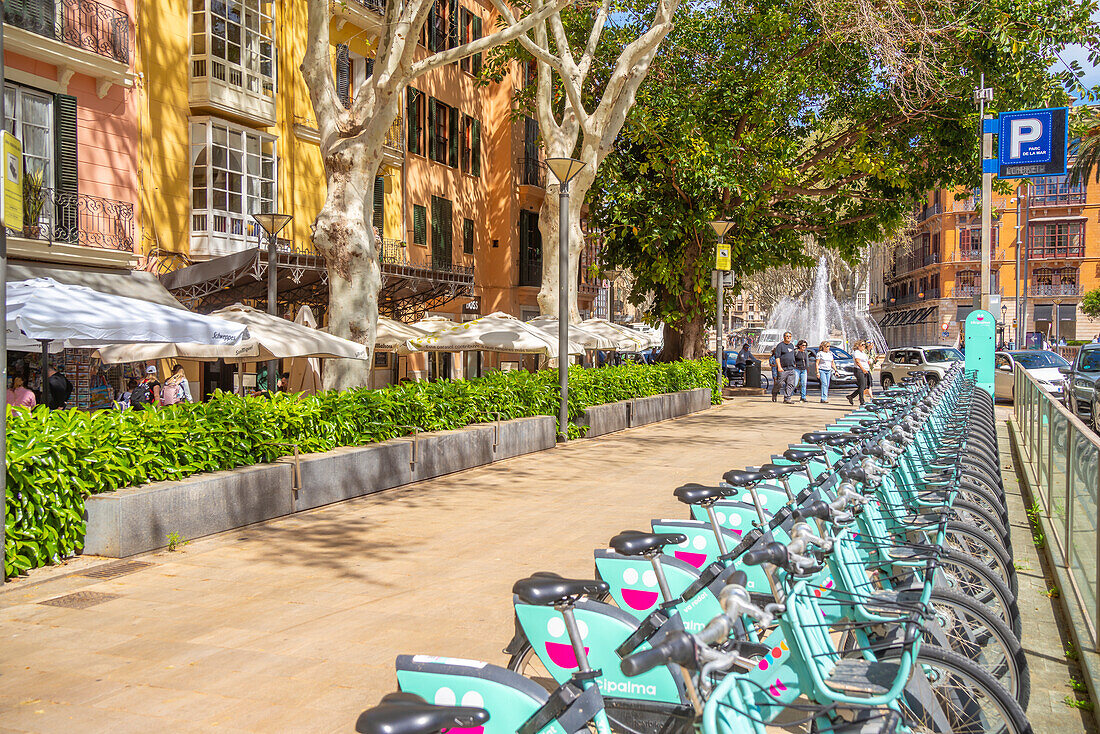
{"points": [[816, 315]]}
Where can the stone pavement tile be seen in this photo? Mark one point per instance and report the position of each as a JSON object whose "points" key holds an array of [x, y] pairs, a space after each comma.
{"points": [[166, 702], [65, 718]]}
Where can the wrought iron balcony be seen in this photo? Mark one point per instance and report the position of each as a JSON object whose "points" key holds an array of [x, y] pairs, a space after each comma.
{"points": [[393, 252], [532, 172], [929, 211], [84, 24], [970, 290], [77, 219], [378, 6], [1055, 289]]}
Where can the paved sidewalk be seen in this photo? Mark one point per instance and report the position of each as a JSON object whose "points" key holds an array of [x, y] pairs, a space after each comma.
{"points": [[1043, 633], [293, 624]]}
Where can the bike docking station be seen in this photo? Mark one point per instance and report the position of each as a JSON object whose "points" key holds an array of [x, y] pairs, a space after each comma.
{"points": [[861, 582]]}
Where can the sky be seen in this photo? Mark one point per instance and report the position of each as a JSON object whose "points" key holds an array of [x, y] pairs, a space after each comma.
{"points": [[1091, 74]]}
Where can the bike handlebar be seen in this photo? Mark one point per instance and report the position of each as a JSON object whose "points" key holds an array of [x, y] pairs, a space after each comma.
{"points": [[677, 648]]}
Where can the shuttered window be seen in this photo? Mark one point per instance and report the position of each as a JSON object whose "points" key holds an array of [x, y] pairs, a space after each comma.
{"points": [[379, 199], [476, 60], [343, 75], [442, 133], [420, 225], [475, 149], [452, 137], [468, 236], [67, 175], [442, 232], [415, 116]]}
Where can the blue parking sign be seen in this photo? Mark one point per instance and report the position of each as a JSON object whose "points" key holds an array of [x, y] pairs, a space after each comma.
{"points": [[1032, 143]]}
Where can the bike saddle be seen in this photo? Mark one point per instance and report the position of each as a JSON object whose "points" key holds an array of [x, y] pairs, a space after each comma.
{"points": [[774, 471], [547, 589], [841, 439], [743, 478], [697, 494], [817, 437], [408, 713], [801, 456], [637, 543]]}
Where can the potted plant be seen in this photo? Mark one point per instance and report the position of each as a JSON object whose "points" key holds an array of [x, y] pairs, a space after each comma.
{"points": [[33, 201]]}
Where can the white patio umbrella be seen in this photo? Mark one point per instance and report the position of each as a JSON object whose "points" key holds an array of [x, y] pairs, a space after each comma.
{"points": [[651, 340], [271, 337], [497, 332], [392, 335], [625, 340], [587, 338], [75, 316]]}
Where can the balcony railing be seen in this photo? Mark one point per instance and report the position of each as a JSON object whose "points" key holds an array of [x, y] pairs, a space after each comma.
{"points": [[1039, 251], [393, 252], [969, 291], [84, 24], [378, 6], [532, 172], [77, 219], [1058, 198], [1055, 289], [929, 211], [395, 136]]}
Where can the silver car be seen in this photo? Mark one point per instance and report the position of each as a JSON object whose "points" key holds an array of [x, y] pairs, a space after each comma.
{"points": [[1082, 388], [1044, 366]]}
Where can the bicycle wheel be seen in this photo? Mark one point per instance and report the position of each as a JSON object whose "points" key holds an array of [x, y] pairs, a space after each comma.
{"points": [[970, 629], [975, 542], [947, 693], [978, 514], [970, 577]]}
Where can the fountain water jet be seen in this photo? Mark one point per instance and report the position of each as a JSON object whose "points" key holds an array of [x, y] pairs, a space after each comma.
{"points": [[816, 315]]}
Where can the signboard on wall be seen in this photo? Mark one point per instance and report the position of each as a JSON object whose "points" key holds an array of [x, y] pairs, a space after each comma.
{"points": [[13, 182], [1032, 143]]}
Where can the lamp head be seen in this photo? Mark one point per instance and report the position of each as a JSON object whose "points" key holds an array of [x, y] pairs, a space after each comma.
{"points": [[564, 168], [272, 223], [721, 226]]}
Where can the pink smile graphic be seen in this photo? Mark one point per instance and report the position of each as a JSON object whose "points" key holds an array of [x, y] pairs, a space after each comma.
{"points": [[561, 654], [467, 730], [639, 598], [695, 559]]}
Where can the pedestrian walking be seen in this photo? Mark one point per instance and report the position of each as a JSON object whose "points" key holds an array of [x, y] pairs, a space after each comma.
{"points": [[860, 370], [124, 399], [19, 396], [176, 388], [825, 360], [56, 389], [784, 358], [872, 361], [802, 359], [775, 374]]}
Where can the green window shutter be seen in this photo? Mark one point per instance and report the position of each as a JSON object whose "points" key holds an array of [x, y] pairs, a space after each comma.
{"points": [[464, 24], [432, 112], [379, 200], [412, 120], [432, 25], [468, 236], [452, 23], [65, 168], [420, 225], [476, 61], [437, 233], [343, 74], [475, 149], [452, 135]]}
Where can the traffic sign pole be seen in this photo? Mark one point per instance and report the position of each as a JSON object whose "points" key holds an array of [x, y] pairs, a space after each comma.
{"points": [[984, 95]]}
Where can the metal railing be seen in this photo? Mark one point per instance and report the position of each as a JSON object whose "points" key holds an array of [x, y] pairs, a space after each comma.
{"points": [[378, 6], [532, 172], [1064, 457], [395, 136], [77, 219], [1055, 289], [969, 291], [393, 252], [83, 24], [929, 211]]}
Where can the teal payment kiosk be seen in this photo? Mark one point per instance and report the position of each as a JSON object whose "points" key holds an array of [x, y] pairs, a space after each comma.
{"points": [[981, 332]]}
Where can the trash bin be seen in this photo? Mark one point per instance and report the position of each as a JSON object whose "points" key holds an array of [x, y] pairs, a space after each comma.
{"points": [[752, 373]]}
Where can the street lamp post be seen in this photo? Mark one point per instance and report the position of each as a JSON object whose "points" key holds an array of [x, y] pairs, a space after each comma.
{"points": [[1004, 322], [721, 226], [564, 169], [271, 224]]}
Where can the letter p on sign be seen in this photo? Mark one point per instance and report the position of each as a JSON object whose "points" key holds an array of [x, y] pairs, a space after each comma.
{"points": [[1023, 130]]}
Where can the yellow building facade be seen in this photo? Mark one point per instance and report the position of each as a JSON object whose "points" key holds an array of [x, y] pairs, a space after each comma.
{"points": [[1046, 230]]}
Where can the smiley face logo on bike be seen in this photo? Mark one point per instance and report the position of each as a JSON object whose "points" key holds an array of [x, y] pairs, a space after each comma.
{"points": [[561, 653], [698, 543], [640, 599], [445, 696]]}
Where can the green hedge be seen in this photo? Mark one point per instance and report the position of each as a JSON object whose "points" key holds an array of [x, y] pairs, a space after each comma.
{"points": [[56, 459]]}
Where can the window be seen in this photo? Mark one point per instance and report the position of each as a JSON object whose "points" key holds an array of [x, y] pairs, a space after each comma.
{"points": [[442, 232], [470, 29], [442, 133], [29, 116], [1055, 282], [468, 236], [233, 175], [415, 117], [970, 239], [442, 26], [471, 145], [1057, 239], [1056, 191], [967, 283], [530, 249], [420, 225], [233, 41]]}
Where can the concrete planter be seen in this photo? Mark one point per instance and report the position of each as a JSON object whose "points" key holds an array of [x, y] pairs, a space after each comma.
{"points": [[610, 417], [606, 418], [139, 519]]}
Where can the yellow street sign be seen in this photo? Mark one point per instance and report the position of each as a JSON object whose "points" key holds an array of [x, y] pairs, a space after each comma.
{"points": [[13, 182], [722, 259]]}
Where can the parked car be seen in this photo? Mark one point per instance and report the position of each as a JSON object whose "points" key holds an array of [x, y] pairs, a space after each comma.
{"points": [[1083, 385], [1040, 364], [900, 362]]}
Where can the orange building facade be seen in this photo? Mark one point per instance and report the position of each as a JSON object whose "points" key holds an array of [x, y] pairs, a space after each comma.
{"points": [[1045, 230]]}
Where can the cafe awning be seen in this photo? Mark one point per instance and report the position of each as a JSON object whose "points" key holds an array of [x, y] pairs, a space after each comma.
{"points": [[127, 283]]}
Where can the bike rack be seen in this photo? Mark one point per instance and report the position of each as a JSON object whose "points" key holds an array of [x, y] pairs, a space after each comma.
{"points": [[416, 443]]}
